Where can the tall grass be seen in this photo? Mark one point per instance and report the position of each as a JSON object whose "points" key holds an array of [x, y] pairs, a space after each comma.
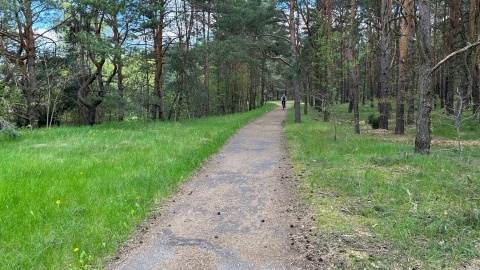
{"points": [[70, 196], [406, 210]]}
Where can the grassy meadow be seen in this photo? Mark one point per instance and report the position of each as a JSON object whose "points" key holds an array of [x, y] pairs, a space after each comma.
{"points": [[379, 205], [70, 196]]}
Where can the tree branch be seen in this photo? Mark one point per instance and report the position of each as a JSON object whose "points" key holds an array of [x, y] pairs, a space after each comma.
{"points": [[11, 36], [453, 54], [82, 89], [52, 28], [276, 58], [112, 75], [14, 59]]}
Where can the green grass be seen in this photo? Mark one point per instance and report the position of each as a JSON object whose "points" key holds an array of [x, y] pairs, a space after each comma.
{"points": [[70, 196], [444, 126], [406, 210]]}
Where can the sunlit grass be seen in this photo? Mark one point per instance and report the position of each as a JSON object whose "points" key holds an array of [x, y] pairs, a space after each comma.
{"points": [[424, 209], [70, 196]]}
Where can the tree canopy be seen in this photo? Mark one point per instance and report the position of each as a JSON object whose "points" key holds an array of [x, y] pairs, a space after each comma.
{"points": [[85, 62]]}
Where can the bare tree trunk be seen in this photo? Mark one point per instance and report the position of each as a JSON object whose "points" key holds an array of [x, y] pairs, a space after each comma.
{"points": [[453, 71], [184, 21], [158, 109], [352, 59], [118, 65], [206, 66], [263, 83], [307, 89], [444, 70], [403, 64], [412, 81], [293, 48], [384, 103], [120, 87], [24, 59], [219, 91], [252, 89], [329, 82], [90, 101], [89, 107], [30, 84], [229, 77], [371, 69], [477, 91], [474, 21], [423, 136]]}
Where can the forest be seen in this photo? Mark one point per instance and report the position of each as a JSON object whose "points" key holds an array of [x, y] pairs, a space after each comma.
{"points": [[83, 62]]}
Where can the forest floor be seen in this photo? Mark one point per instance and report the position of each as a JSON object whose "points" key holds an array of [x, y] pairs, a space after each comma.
{"points": [[242, 210]]}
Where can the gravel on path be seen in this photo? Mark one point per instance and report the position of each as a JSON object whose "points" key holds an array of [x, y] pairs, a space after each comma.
{"points": [[242, 210]]}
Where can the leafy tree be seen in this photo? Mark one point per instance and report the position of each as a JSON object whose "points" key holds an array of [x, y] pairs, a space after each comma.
{"points": [[154, 13], [88, 20], [18, 49]]}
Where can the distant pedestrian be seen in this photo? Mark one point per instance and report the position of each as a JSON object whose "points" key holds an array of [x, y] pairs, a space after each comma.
{"points": [[284, 100]]}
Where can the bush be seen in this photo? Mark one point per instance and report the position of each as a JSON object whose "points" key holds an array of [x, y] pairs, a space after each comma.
{"points": [[8, 129], [374, 120]]}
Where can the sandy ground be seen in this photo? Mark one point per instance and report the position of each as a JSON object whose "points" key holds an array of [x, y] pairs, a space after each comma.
{"points": [[242, 210]]}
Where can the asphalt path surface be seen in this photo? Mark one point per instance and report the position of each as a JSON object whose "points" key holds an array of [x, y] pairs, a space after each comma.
{"points": [[237, 212]]}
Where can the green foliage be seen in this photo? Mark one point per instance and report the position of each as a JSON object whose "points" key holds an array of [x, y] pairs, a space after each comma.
{"points": [[230, 36], [70, 196], [372, 187], [8, 129], [444, 126], [374, 120]]}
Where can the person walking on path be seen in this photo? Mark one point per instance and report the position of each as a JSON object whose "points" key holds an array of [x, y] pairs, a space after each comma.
{"points": [[284, 101]]}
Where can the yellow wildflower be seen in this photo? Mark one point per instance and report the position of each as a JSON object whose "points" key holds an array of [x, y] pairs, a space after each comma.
{"points": [[57, 202], [75, 249]]}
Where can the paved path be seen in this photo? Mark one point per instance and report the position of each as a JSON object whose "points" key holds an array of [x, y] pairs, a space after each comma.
{"points": [[236, 213]]}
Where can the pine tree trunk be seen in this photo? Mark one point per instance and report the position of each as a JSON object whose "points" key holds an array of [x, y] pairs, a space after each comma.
{"points": [[423, 136], [353, 59], [411, 98], [157, 109], [89, 101], [453, 81], [384, 105], [412, 80], [30, 80], [121, 110], [476, 90], [251, 90], [206, 65], [293, 48], [403, 64], [474, 27]]}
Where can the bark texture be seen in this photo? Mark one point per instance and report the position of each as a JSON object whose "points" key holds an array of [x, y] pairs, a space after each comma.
{"points": [[423, 137]]}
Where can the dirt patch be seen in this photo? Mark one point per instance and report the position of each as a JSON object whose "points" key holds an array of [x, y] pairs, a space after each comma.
{"points": [[390, 136]]}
